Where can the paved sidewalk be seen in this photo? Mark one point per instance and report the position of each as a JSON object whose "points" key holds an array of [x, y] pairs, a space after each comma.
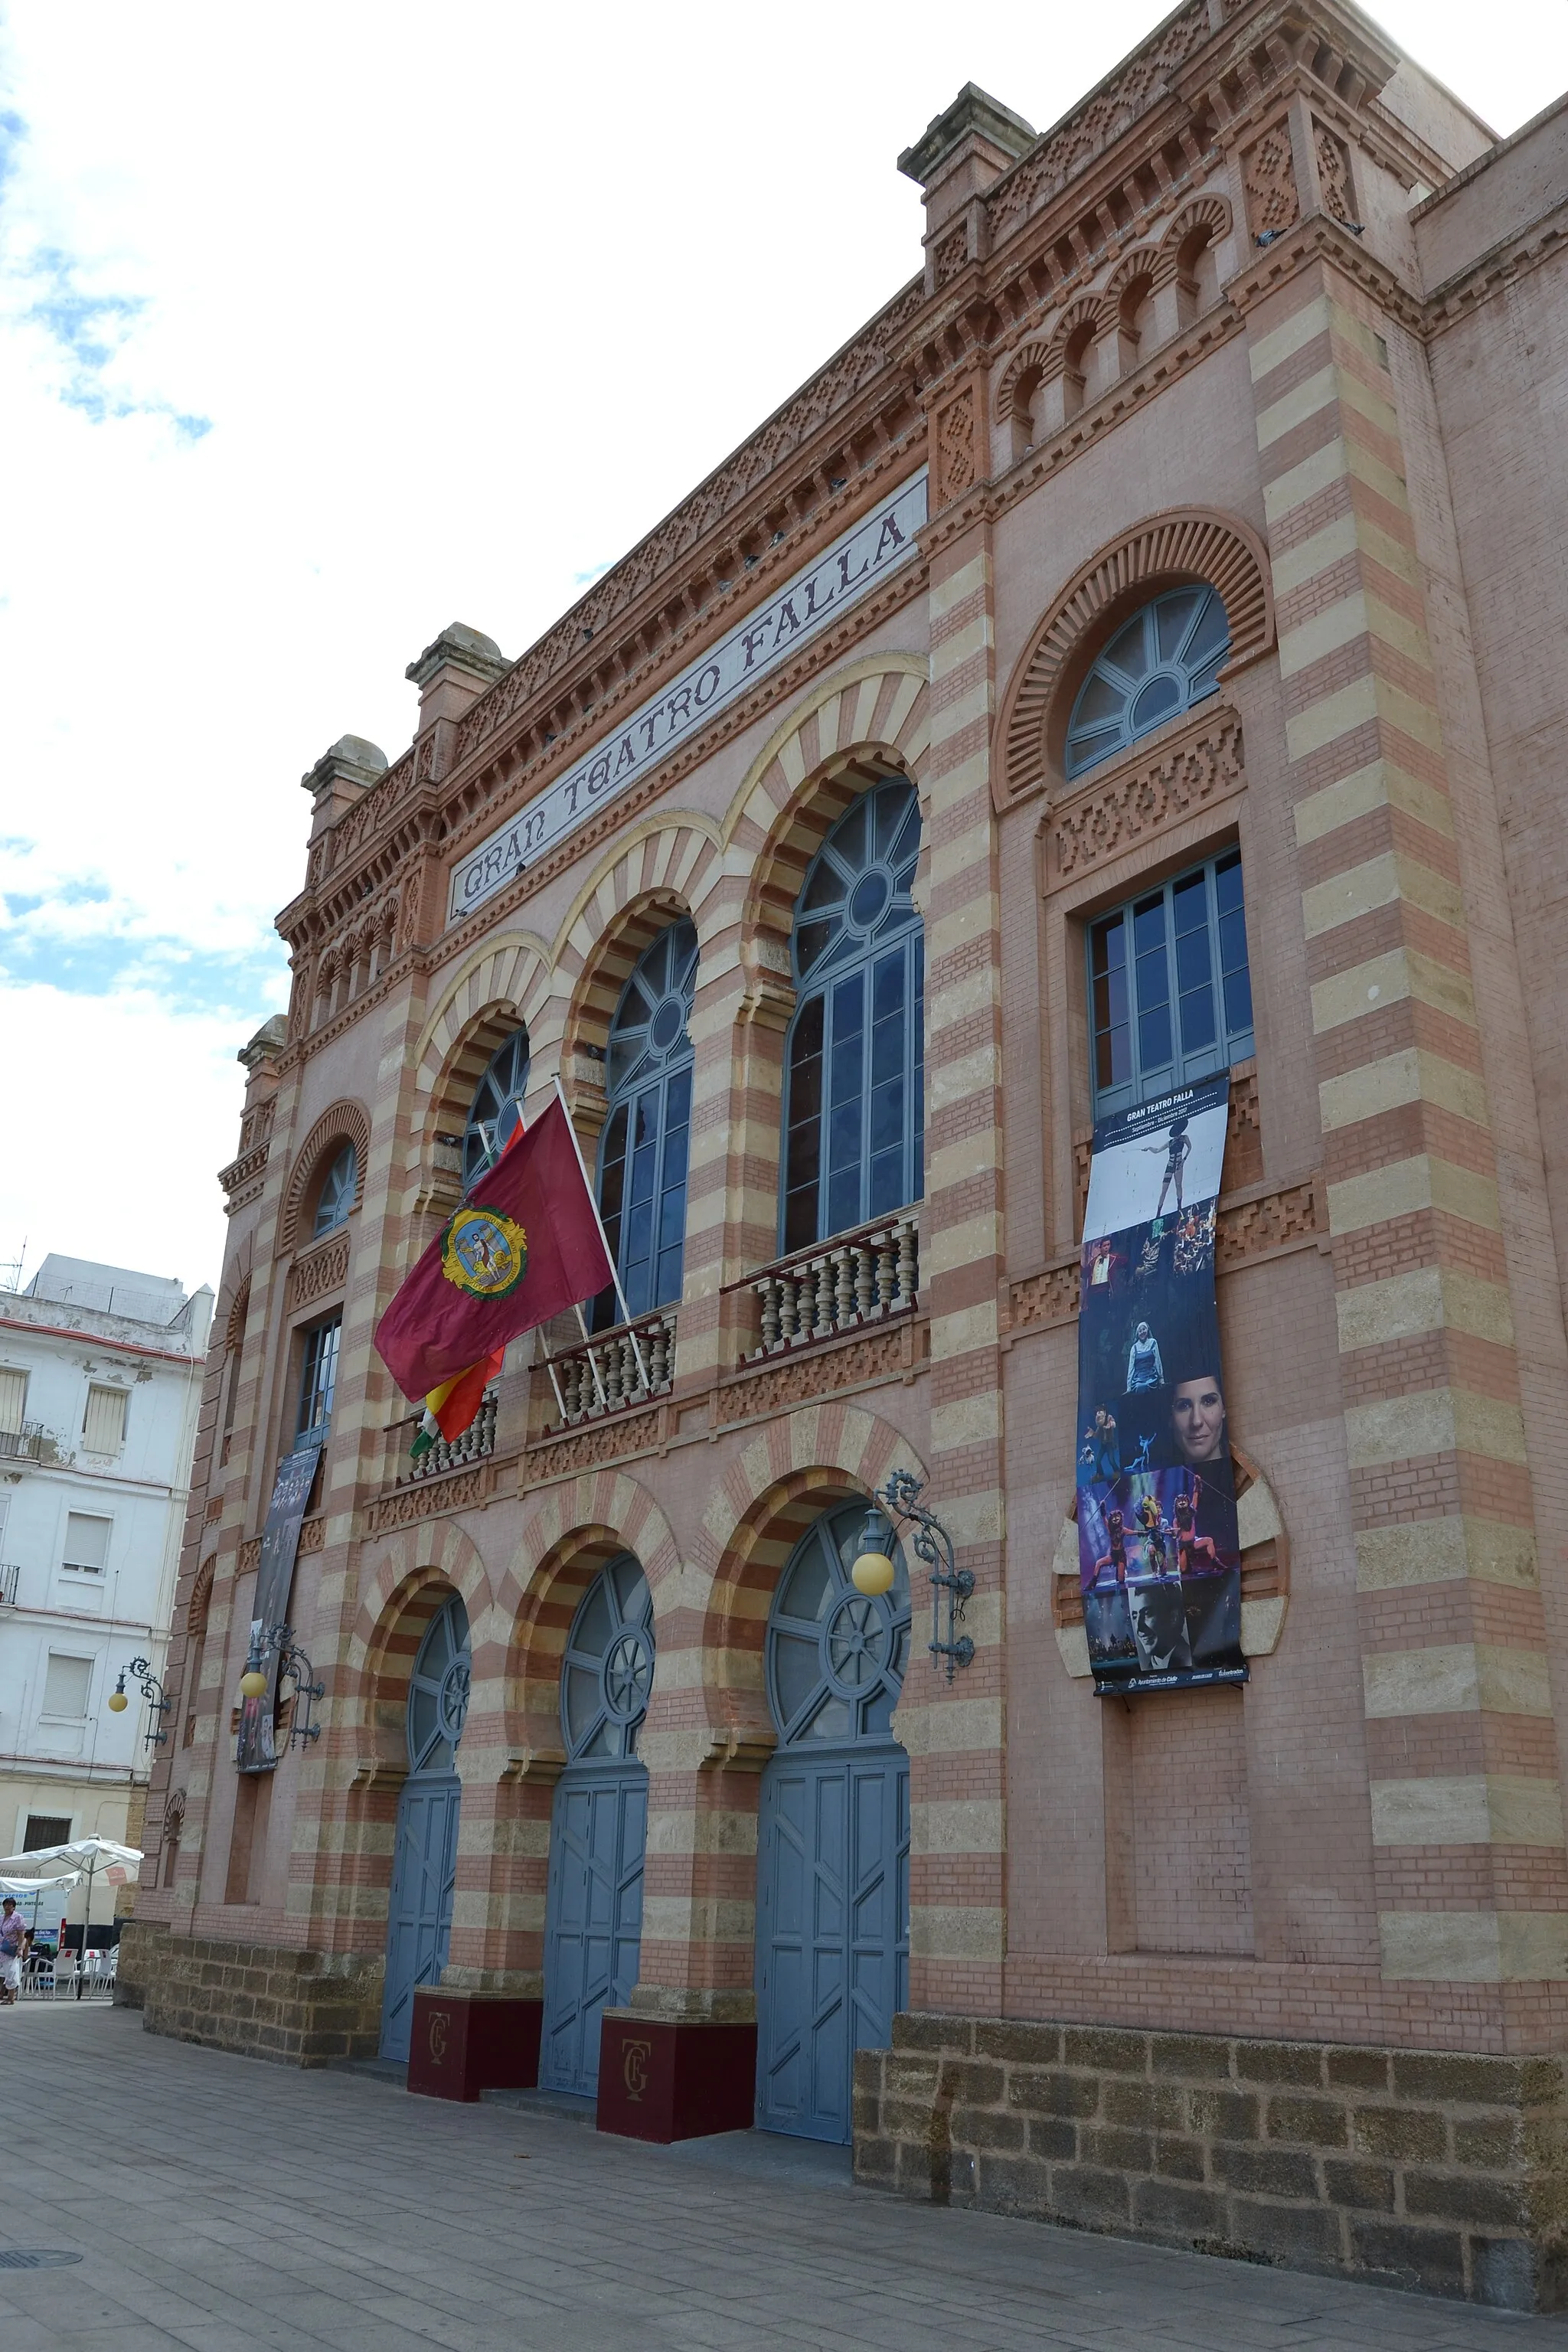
{"points": [[256, 2206]]}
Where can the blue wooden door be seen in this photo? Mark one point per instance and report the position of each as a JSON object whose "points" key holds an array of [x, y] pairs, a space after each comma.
{"points": [[598, 1828], [833, 1855], [419, 1917], [832, 1931], [424, 1846], [594, 1931]]}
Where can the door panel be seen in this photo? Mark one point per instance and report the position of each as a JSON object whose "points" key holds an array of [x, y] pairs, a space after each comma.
{"points": [[592, 1931], [419, 1913], [832, 1930]]}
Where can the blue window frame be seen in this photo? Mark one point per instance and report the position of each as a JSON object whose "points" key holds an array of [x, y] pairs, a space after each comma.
{"points": [[497, 1107], [1166, 658], [853, 1102], [337, 1194], [318, 1380], [644, 1150], [1169, 993]]}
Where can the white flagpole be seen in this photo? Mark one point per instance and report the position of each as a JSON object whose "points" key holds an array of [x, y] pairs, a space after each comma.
{"points": [[614, 1277]]}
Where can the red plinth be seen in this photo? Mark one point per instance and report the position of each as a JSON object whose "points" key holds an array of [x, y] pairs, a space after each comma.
{"points": [[463, 2043], [663, 2081]]}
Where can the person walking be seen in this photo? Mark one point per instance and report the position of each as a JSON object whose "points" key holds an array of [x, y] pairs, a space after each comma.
{"points": [[13, 1942]]}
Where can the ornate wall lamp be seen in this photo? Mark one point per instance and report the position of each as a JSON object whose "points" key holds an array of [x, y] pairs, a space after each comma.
{"points": [[950, 1585], [140, 1670], [292, 1662]]}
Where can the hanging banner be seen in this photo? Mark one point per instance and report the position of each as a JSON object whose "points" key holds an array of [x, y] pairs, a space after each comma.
{"points": [[1159, 1562], [255, 1748]]}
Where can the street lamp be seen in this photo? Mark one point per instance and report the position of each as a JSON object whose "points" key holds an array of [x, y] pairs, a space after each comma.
{"points": [[140, 1670], [292, 1662], [950, 1585]]}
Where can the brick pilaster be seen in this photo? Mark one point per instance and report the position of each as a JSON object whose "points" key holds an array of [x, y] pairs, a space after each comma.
{"points": [[1467, 1813]]}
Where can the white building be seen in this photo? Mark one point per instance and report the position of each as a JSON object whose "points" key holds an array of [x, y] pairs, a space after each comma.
{"points": [[100, 1372]]}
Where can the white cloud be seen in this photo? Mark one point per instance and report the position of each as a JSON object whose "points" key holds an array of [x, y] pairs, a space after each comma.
{"points": [[468, 300]]}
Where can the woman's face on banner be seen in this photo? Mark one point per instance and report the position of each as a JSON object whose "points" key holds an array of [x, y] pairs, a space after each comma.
{"points": [[1198, 1418]]}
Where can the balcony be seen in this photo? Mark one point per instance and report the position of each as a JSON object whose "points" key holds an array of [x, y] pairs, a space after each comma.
{"points": [[476, 1441], [28, 1443], [614, 1369], [848, 1284], [10, 1576]]}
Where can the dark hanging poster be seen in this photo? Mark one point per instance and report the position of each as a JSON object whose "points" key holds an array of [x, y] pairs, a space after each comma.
{"points": [[1158, 1557], [254, 1749]]}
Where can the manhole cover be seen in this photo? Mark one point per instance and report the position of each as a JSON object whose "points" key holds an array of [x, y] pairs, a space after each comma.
{"points": [[35, 2258]]}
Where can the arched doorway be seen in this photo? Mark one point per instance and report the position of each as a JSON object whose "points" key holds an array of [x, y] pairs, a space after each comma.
{"points": [[424, 1855], [833, 1852], [592, 1923]]}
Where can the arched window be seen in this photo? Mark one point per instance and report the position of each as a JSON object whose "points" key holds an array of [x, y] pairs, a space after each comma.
{"points": [[606, 1673], [1161, 662], [497, 1107], [337, 1194], [853, 1114], [643, 1156], [835, 1657]]}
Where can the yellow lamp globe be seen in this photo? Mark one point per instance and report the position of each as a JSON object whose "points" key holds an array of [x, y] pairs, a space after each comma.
{"points": [[873, 1570], [872, 1573], [118, 1702], [253, 1684]]}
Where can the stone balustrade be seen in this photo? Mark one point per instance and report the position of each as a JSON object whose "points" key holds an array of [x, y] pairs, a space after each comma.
{"points": [[837, 1286], [615, 1369], [478, 1440]]}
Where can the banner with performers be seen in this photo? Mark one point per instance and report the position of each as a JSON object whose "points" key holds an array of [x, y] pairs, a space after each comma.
{"points": [[1158, 1557], [255, 1748]]}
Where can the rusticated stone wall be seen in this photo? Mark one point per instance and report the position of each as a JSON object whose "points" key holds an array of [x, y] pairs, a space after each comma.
{"points": [[1414, 2169], [302, 2009]]}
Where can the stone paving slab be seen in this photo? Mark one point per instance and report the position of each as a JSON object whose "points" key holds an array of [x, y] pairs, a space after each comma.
{"points": [[256, 2205]]}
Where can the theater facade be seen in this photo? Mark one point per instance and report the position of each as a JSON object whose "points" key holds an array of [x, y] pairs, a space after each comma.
{"points": [[1124, 684]]}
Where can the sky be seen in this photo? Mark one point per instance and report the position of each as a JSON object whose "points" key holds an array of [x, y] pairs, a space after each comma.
{"points": [[324, 325]]}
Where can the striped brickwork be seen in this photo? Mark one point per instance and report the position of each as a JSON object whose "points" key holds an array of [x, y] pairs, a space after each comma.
{"points": [[955, 1734], [1471, 1878]]}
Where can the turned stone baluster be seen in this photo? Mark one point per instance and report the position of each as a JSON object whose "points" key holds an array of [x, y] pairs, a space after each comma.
{"points": [[609, 1362], [789, 1310], [824, 1272], [886, 1273], [865, 1276], [907, 1269], [844, 1293], [768, 1291], [659, 1357], [805, 1301], [632, 1381]]}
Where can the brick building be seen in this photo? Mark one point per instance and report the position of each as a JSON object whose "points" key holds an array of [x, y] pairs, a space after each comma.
{"points": [[1175, 562]]}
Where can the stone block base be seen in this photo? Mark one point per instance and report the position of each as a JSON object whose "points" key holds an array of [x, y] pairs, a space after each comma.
{"points": [[463, 2043], [303, 2009], [1405, 2167], [663, 2080]]}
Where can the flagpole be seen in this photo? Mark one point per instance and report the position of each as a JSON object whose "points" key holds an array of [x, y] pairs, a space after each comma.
{"points": [[604, 1236]]}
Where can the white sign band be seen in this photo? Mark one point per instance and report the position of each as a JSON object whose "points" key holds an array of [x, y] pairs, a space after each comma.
{"points": [[852, 566]]}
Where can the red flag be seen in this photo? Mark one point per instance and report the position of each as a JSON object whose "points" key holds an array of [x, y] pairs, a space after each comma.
{"points": [[525, 1244]]}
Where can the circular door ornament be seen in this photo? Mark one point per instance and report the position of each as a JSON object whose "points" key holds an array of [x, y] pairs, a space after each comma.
{"points": [[452, 1703], [858, 1644], [628, 1676], [484, 1253]]}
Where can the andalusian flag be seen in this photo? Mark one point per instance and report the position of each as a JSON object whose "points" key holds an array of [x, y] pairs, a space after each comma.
{"points": [[525, 1245], [450, 1408]]}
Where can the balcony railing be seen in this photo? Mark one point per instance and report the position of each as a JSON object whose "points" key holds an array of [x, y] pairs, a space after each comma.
{"points": [[10, 1576], [476, 1440], [29, 1443], [842, 1285], [615, 1369]]}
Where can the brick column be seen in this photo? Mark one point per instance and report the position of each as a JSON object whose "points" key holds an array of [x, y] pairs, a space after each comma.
{"points": [[1466, 1805], [956, 1734]]}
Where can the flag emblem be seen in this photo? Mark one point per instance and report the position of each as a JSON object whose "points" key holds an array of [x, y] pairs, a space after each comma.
{"points": [[484, 1253]]}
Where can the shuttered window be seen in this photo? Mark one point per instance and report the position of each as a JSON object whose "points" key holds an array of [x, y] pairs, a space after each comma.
{"points": [[13, 1399], [103, 1427], [87, 1541], [46, 1830], [66, 1687]]}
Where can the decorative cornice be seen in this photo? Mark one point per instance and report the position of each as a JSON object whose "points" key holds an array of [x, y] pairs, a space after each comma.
{"points": [[1140, 795]]}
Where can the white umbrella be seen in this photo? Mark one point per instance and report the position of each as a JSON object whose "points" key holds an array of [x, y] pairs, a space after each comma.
{"points": [[18, 1887], [89, 1855]]}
